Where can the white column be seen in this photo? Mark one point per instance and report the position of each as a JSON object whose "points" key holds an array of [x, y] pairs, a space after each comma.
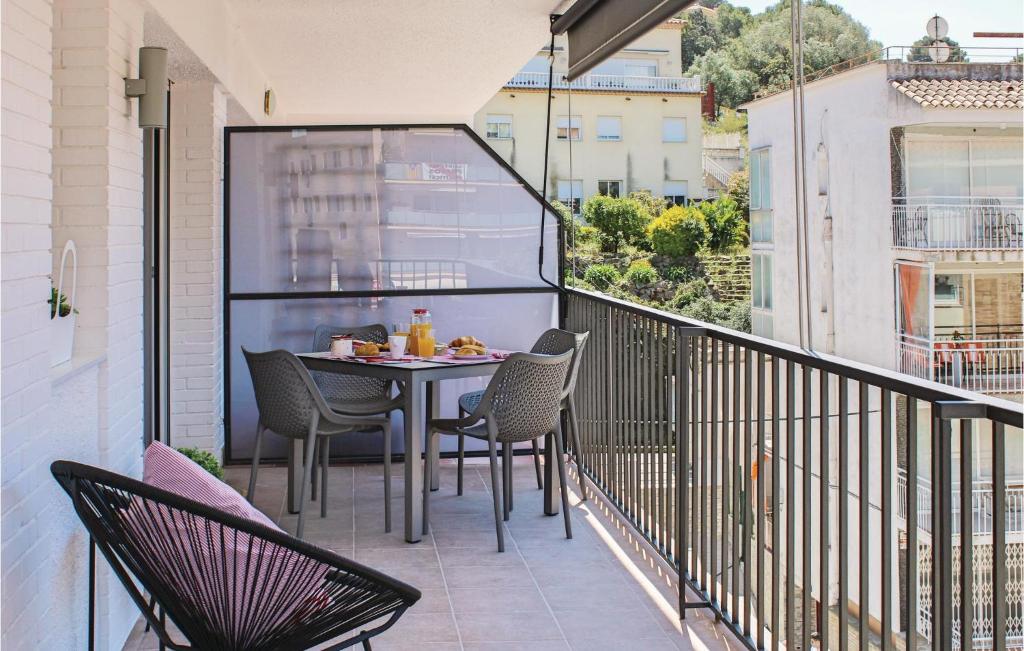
{"points": [[198, 116]]}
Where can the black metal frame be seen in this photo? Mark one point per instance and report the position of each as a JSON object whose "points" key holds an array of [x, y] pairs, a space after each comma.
{"points": [[75, 478], [228, 296]]}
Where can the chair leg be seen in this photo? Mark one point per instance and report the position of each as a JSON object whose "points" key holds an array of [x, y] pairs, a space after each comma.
{"points": [[387, 478], [307, 467], [427, 478], [325, 464], [536, 464], [462, 454], [577, 451], [316, 462], [366, 645], [255, 463], [506, 477], [496, 492], [560, 460], [92, 593]]}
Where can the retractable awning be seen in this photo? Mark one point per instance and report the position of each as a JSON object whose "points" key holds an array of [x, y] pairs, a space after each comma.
{"points": [[600, 28]]}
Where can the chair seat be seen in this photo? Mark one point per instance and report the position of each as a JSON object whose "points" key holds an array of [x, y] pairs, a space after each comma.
{"points": [[459, 426], [379, 405]]}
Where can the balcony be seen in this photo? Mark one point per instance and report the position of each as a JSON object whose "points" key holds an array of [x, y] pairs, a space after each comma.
{"points": [[958, 223], [616, 83], [994, 366]]}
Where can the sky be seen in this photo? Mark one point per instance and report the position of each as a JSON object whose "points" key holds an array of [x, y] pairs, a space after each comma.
{"points": [[902, 22]]}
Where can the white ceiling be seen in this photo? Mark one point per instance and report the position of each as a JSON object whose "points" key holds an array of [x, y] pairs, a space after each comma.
{"points": [[388, 60]]}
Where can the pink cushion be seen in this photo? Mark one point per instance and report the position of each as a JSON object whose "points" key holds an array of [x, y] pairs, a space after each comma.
{"points": [[172, 471]]}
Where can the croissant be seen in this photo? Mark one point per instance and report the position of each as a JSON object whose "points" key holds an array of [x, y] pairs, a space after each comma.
{"points": [[368, 348], [466, 340], [470, 349]]}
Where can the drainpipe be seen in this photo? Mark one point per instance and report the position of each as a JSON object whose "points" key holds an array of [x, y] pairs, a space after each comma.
{"points": [[828, 288]]}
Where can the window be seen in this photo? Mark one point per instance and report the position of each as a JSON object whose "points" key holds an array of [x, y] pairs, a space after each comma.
{"points": [[640, 68], [673, 129], [571, 194], [609, 128], [609, 188], [761, 269], [675, 192], [760, 195], [569, 128], [499, 127]]}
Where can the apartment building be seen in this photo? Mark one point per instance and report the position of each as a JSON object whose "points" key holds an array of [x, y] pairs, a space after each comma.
{"points": [[914, 260], [632, 123]]}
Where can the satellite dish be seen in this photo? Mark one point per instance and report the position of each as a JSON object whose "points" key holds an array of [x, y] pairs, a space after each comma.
{"points": [[938, 52], [937, 28]]}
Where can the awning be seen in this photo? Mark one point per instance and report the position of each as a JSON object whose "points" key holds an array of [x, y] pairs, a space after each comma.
{"points": [[600, 28]]}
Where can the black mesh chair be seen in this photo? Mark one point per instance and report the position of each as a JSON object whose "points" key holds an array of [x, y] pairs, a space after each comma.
{"points": [[522, 402], [225, 582], [290, 405], [552, 342]]}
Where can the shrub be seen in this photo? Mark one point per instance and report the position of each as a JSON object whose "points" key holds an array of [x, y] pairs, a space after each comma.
{"points": [[726, 226], [601, 276], [730, 315], [680, 273], [588, 234], [654, 205], [641, 273], [678, 232], [691, 291], [205, 459], [621, 221]]}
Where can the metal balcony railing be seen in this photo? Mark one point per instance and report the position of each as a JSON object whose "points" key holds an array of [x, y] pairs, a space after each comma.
{"points": [[715, 170], [982, 365], [609, 82], [763, 472], [981, 506], [958, 223]]}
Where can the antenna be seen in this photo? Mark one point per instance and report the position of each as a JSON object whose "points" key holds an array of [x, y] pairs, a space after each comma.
{"points": [[937, 29]]}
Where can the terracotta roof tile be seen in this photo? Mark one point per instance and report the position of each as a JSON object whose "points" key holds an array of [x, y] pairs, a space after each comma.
{"points": [[962, 93]]}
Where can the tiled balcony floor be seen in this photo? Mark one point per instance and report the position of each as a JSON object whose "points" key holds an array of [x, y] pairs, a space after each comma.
{"points": [[599, 590]]}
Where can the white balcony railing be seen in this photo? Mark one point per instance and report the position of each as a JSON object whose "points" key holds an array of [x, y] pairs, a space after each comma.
{"points": [[982, 365], [715, 169], [958, 223], [981, 506], [609, 82]]}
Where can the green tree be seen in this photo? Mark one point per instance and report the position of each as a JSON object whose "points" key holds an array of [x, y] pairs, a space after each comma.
{"points": [[699, 34], [654, 205], [620, 220], [738, 189], [920, 50]]}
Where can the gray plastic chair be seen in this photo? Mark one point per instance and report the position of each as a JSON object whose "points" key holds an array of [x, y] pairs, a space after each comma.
{"points": [[351, 394], [522, 402], [552, 342], [290, 405]]}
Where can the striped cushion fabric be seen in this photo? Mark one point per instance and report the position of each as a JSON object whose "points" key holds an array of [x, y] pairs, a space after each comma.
{"points": [[170, 470]]}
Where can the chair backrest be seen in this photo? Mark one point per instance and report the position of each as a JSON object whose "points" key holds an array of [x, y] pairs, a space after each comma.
{"points": [[556, 341], [337, 386], [524, 398], [286, 395], [224, 581]]}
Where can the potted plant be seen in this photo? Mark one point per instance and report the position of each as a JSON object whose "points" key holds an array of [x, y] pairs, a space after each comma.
{"points": [[62, 310]]}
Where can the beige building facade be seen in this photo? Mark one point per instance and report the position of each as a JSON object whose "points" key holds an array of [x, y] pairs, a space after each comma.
{"points": [[630, 124]]}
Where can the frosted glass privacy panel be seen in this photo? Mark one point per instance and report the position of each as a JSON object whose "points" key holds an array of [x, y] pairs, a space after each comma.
{"points": [[379, 209], [509, 321]]}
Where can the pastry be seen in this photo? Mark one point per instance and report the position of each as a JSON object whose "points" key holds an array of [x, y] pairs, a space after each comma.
{"points": [[368, 349], [466, 340], [470, 349]]}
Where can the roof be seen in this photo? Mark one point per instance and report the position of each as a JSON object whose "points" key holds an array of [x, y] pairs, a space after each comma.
{"points": [[962, 93]]}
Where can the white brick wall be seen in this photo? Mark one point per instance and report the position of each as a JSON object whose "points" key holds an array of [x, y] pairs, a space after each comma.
{"points": [[25, 256], [198, 116], [71, 159]]}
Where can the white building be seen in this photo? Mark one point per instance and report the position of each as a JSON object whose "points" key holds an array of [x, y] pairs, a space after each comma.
{"points": [[915, 231], [632, 123]]}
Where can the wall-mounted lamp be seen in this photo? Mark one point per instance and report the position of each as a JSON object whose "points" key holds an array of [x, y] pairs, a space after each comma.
{"points": [[269, 102], [150, 87]]}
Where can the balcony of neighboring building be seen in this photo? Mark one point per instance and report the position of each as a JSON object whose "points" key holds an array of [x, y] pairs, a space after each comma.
{"points": [[965, 330], [607, 82], [958, 189]]}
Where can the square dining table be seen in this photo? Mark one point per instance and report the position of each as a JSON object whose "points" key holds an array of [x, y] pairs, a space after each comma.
{"points": [[420, 380]]}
